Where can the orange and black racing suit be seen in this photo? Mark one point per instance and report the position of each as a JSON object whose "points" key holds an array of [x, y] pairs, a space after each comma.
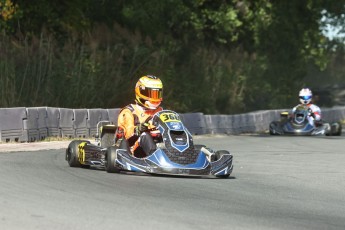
{"points": [[130, 116]]}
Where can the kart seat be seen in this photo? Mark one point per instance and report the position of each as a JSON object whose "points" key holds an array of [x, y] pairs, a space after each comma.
{"points": [[123, 144]]}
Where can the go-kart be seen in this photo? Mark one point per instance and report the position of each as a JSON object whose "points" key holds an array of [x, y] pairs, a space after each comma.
{"points": [[176, 154], [298, 123]]}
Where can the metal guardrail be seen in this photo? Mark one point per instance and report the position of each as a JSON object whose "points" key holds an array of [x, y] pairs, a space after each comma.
{"points": [[22, 124]]}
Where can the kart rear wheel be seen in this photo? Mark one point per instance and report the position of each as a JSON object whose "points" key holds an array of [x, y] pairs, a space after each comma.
{"points": [[110, 157], [72, 153], [336, 129]]}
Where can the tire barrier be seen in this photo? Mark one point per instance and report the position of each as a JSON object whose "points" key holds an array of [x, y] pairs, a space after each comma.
{"points": [[12, 125], [53, 121], [30, 125], [334, 114], [113, 115], [66, 123], [80, 123], [95, 116], [42, 123], [22, 124], [195, 122]]}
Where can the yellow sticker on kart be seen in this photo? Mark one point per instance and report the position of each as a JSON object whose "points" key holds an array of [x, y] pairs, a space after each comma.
{"points": [[169, 117], [81, 154]]}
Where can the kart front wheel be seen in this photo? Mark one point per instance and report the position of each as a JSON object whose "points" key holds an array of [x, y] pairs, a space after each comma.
{"points": [[110, 157], [273, 127], [72, 153]]}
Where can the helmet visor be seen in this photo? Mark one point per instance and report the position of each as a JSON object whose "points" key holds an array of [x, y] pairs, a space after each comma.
{"points": [[305, 97], [151, 93]]}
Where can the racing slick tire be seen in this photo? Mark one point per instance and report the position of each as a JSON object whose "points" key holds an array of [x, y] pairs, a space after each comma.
{"points": [[72, 153], [110, 157], [219, 155], [273, 127], [336, 129]]}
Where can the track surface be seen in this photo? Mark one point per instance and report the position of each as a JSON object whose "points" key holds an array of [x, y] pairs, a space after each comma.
{"points": [[277, 183]]}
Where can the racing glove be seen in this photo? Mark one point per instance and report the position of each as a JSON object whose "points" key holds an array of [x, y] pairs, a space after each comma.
{"points": [[142, 127], [311, 113]]}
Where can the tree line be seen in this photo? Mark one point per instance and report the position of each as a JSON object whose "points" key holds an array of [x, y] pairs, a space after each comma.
{"points": [[213, 56]]}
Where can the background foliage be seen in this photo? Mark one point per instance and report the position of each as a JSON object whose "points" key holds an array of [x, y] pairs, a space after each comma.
{"points": [[214, 56]]}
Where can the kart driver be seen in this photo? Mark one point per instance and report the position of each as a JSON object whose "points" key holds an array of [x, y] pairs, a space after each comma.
{"points": [[135, 120], [305, 97]]}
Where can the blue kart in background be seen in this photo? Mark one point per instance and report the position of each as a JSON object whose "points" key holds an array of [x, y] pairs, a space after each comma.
{"points": [[176, 153], [297, 124]]}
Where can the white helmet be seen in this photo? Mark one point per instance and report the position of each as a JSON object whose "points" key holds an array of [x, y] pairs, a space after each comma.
{"points": [[305, 96]]}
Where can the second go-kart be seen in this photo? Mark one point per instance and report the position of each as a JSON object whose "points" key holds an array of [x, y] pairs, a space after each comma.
{"points": [[298, 124], [176, 153]]}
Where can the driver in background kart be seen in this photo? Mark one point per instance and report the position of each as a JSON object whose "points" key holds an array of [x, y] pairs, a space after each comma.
{"points": [[305, 97], [135, 120]]}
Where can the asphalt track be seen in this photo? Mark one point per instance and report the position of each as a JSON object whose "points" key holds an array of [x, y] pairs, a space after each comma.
{"points": [[277, 183]]}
